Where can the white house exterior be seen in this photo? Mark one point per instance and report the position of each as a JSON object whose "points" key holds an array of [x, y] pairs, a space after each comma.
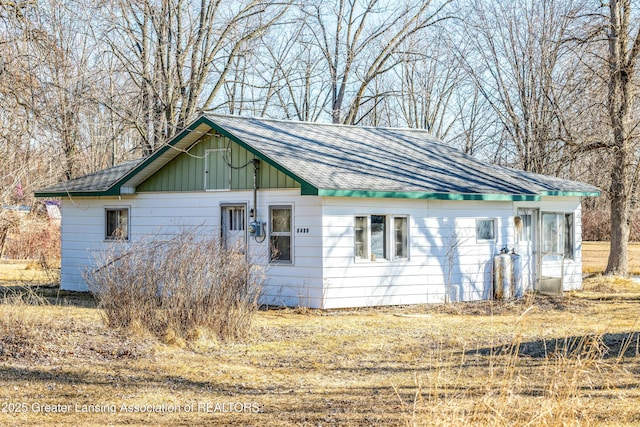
{"points": [[339, 216]]}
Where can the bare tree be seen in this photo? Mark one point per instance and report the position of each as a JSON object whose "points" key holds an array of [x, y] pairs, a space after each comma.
{"points": [[46, 76], [292, 73], [523, 67], [178, 54], [358, 40], [430, 81], [622, 61]]}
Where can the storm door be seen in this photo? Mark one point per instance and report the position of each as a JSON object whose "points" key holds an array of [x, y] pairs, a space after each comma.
{"points": [[552, 252], [234, 227], [526, 246]]}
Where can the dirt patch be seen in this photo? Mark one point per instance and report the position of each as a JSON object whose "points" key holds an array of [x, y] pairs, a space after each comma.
{"points": [[42, 341]]}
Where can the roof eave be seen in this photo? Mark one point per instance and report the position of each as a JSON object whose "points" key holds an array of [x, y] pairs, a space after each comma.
{"points": [[427, 195], [46, 194], [571, 193]]}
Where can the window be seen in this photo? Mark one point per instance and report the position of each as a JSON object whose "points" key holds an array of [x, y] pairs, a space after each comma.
{"points": [[400, 237], [569, 236], [378, 237], [362, 238], [485, 229], [117, 224], [381, 237], [280, 234], [525, 231], [233, 219], [552, 234]]}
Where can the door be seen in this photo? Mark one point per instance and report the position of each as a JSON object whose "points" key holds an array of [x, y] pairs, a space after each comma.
{"points": [[526, 246], [234, 227], [551, 252]]}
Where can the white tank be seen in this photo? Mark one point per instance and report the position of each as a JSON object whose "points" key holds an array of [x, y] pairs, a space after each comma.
{"points": [[502, 276], [516, 275]]}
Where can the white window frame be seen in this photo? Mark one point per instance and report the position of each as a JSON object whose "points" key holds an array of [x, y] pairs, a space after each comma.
{"points": [[483, 240], [406, 237], [570, 236], [281, 233], [389, 239], [111, 238]]}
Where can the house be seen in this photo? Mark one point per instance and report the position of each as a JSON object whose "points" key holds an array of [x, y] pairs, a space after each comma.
{"points": [[343, 216]]}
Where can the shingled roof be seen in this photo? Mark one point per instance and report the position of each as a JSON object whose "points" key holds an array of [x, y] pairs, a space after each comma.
{"points": [[341, 160]]}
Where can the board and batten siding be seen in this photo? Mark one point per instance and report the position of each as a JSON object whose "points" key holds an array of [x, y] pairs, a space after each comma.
{"points": [[186, 172], [157, 214]]}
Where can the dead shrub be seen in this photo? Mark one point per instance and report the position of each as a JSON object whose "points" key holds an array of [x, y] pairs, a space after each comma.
{"points": [[30, 237], [596, 225], [19, 332], [177, 286]]}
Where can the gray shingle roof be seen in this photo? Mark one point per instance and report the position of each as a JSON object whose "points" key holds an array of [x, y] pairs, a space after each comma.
{"points": [[97, 182], [340, 157], [351, 160]]}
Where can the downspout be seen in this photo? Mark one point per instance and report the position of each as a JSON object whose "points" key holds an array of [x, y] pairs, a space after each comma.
{"points": [[258, 232], [256, 167]]}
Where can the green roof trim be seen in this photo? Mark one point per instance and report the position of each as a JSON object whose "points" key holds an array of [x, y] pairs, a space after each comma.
{"points": [[110, 192], [571, 193], [339, 161], [429, 196]]}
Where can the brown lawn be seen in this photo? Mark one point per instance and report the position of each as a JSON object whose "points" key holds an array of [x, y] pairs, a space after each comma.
{"points": [[595, 256], [570, 360]]}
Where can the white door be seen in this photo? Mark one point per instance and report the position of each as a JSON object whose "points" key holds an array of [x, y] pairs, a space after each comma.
{"points": [[552, 248], [234, 229], [526, 246]]}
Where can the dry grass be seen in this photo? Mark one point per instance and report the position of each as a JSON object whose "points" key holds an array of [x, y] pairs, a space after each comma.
{"points": [[595, 255], [467, 364], [28, 271], [551, 361]]}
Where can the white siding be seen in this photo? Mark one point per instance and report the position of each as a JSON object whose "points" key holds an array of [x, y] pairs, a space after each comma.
{"points": [[166, 213], [446, 262], [443, 256]]}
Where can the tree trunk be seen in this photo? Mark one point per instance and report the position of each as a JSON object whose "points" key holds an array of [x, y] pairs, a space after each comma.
{"points": [[623, 53], [617, 264]]}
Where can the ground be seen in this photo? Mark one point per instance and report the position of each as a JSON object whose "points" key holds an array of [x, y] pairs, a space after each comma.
{"points": [[569, 360], [596, 254]]}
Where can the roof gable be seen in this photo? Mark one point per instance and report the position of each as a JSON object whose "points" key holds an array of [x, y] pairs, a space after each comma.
{"points": [[341, 160]]}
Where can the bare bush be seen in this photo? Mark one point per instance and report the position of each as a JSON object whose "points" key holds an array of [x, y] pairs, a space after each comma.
{"points": [[177, 286], [596, 225], [30, 237]]}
